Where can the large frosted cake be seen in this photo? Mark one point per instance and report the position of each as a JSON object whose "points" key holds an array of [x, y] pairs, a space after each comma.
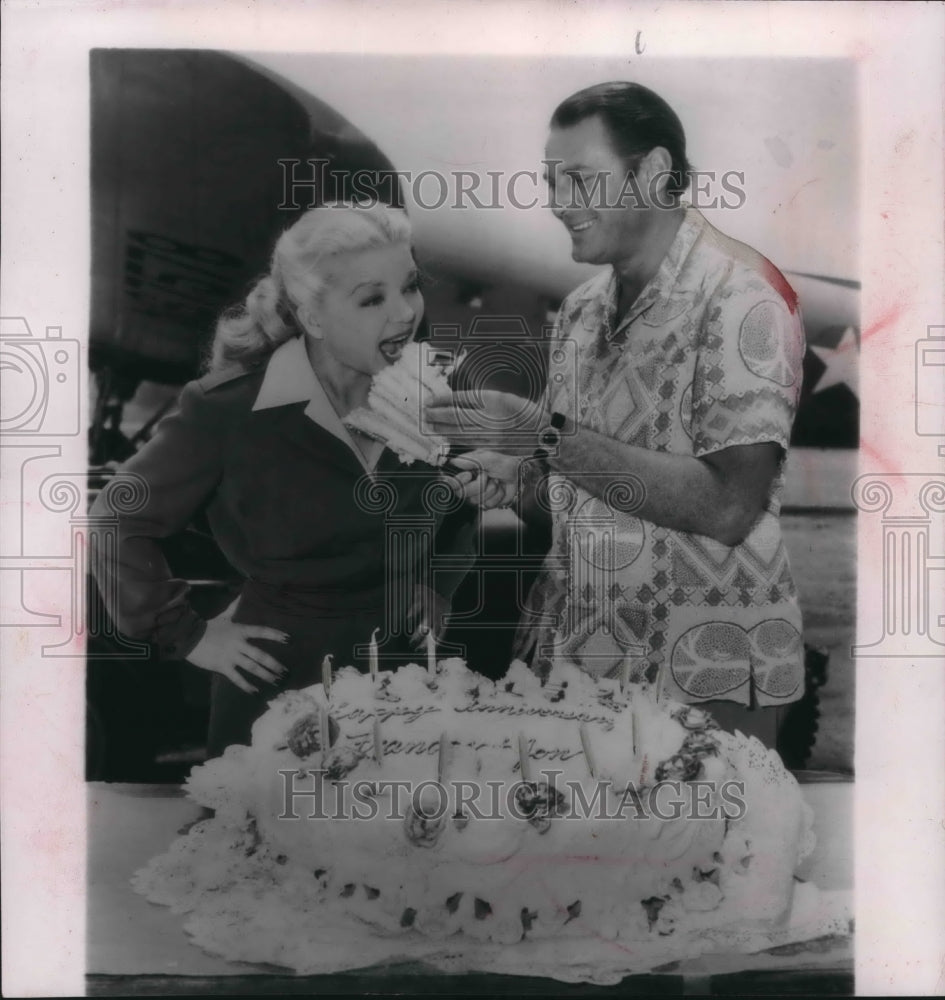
{"points": [[639, 827]]}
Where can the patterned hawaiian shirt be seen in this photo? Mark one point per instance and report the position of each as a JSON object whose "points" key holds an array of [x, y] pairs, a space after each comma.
{"points": [[708, 356]]}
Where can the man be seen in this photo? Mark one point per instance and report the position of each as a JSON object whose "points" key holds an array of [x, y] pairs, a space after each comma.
{"points": [[664, 455]]}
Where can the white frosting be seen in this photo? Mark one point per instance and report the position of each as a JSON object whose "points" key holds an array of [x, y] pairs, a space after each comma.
{"points": [[395, 405], [647, 875]]}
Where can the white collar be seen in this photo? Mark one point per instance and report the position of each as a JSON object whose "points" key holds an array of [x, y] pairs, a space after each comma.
{"points": [[290, 379]]}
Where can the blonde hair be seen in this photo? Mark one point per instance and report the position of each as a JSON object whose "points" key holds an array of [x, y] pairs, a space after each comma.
{"points": [[247, 334]]}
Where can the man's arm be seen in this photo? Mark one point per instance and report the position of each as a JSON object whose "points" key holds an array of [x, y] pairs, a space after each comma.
{"points": [[741, 425], [719, 495]]}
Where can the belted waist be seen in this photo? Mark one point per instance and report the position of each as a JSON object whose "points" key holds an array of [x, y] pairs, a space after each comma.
{"points": [[320, 601]]}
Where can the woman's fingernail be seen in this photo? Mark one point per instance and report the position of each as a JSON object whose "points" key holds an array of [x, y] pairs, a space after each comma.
{"points": [[285, 636]]}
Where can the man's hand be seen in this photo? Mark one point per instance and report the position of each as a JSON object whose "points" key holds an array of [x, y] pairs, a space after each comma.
{"points": [[484, 492], [494, 465], [486, 478], [489, 419]]}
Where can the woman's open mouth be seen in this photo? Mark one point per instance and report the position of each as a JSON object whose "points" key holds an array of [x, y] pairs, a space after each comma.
{"points": [[393, 347]]}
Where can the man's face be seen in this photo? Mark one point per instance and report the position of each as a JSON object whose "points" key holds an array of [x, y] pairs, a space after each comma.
{"points": [[591, 194]]}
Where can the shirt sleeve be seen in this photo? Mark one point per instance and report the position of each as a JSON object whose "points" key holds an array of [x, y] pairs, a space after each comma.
{"points": [[180, 468], [748, 373]]}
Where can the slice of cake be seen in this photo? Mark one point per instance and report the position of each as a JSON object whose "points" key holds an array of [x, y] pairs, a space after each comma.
{"points": [[394, 413]]}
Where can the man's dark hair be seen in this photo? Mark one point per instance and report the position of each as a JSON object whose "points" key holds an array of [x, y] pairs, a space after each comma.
{"points": [[637, 121]]}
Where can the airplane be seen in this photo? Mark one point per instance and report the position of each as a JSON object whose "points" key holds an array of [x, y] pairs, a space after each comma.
{"points": [[190, 155], [198, 158]]}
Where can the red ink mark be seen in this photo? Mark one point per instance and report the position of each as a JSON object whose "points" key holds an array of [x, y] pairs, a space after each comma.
{"points": [[780, 284], [860, 50], [880, 460], [882, 324], [904, 141]]}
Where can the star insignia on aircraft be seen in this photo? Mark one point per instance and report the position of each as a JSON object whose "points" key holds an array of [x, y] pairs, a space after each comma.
{"points": [[842, 361]]}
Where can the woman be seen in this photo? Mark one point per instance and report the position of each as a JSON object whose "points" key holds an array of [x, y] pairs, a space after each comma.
{"points": [[299, 505]]}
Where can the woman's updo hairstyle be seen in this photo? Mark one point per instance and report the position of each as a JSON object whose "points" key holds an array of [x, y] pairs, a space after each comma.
{"points": [[247, 334]]}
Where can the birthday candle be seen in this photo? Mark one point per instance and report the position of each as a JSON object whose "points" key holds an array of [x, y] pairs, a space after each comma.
{"points": [[378, 743], [443, 758], [326, 674], [659, 687], [372, 654], [325, 733], [431, 652], [588, 753], [625, 674], [523, 757], [633, 728]]}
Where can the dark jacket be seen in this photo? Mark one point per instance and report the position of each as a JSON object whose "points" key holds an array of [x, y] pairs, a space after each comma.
{"points": [[328, 551]]}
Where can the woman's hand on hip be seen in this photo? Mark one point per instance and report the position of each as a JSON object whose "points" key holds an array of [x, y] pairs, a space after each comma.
{"points": [[226, 649]]}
